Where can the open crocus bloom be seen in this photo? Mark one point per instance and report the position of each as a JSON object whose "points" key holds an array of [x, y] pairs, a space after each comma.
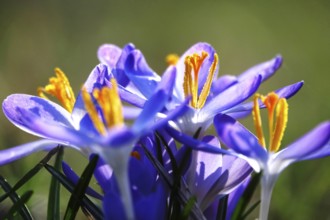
{"points": [[270, 160], [197, 71], [93, 123], [215, 175]]}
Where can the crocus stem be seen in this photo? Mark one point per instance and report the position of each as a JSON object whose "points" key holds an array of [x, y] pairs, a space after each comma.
{"points": [[125, 191], [118, 160], [267, 185]]}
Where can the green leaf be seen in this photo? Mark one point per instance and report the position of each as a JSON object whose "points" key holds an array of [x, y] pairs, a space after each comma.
{"points": [[19, 205], [250, 210], [86, 202], [53, 210], [187, 209], [30, 174], [15, 198], [246, 197], [222, 208], [79, 191]]}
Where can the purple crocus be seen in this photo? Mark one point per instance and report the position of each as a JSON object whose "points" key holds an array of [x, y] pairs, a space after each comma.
{"points": [[270, 160], [211, 176], [197, 71], [92, 123]]}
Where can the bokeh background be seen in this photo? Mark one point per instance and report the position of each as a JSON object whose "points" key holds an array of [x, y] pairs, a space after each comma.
{"points": [[36, 36]]}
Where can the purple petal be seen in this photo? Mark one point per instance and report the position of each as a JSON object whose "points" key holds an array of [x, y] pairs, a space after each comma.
{"points": [[142, 76], [18, 152], [323, 152], [195, 144], [119, 70], [309, 144], [167, 82], [152, 106], [203, 73], [265, 69], [222, 83], [109, 54], [130, 97], [171, 115], [285, 92], [232, 96], [156, 203], [42, 108], [131, 112], [37, 125], [103, 174], [208, 169], [290, 90], [238, 138], [234, 172], [234, 198], [96, 79]]}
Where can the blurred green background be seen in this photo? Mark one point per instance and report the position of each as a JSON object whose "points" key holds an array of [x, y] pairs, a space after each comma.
{"points": [[36, 36]]}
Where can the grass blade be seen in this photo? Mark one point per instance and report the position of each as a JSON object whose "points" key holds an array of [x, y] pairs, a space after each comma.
{"points": [[246, 197], [79, 191], [15, 198], [86, 202], [222, 208], [30, 174], [250, 210], [18, 206], [53, 210]]}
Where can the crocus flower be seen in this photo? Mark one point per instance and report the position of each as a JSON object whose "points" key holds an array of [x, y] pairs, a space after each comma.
{"points": [[197, 71], [92, 124], [215, 175], [271, 160]]}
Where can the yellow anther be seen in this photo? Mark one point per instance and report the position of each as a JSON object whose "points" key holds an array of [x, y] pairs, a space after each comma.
{"points": [[193, 64], [277, 105], [188, 83], [281, 122], [207, 86], [172, 59], [116, 110], [60, 88], [136, 155], [110, 107], [257, 121], [92, 112]]}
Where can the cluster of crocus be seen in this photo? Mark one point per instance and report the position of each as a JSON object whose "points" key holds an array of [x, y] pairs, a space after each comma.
{"points": [[158, 159]]}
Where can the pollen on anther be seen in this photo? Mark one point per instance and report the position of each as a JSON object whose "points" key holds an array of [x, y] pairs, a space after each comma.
{"points": [[60, 88], [172, 59]]}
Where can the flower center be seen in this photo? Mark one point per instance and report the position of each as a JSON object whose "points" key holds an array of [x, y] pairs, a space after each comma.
{"points": [[193, 64], [60, 88], [109, 104], [277, 106]]}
